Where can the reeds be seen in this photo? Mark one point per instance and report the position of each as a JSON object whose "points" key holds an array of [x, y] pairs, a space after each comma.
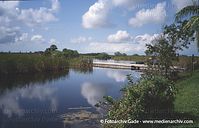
{"points": [[30, 63]]}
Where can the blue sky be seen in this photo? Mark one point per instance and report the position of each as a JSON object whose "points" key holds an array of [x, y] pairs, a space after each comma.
{"points": [[85, 25]]}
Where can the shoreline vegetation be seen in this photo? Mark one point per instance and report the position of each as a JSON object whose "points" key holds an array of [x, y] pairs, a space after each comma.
{"points": [[52, 60], [55, 60]]}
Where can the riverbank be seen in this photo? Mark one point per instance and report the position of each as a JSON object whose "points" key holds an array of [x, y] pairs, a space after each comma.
{"points": [[22, 63], [187, 97], [30, 63]]}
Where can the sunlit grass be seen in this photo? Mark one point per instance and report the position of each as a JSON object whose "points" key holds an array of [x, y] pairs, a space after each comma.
{"points": [[30, 63], [187, 98]]}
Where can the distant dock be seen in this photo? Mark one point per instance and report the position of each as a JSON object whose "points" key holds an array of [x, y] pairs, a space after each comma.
{"points": [[120, 65], [128, 66]]}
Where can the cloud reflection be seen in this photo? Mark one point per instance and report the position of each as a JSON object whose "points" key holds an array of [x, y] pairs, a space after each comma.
{"points": [[117, 75], [93, 93], [9, 100], [121, 75]]}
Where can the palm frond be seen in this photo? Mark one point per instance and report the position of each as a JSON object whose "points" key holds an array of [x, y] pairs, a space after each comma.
{"points": [[197, 40], [187, 11], [192, 24]]}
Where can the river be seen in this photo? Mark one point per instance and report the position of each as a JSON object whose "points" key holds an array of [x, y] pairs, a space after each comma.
{"points": [[58, 100]]}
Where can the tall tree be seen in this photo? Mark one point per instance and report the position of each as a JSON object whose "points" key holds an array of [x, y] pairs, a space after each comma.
{"points": [[192, 13], [53, 47]]}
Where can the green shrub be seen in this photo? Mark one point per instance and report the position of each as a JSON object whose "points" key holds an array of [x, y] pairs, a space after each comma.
{"points": [[151, 98], [103, 56]]}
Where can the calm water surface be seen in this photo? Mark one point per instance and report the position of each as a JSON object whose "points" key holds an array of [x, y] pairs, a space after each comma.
{"points": [[58, 100]]}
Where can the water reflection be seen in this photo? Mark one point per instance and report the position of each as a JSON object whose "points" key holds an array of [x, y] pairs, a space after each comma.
{"points": [[85, 70], [57, 92], [9, 81], [9, 101], [121, 75], [93, 93], [117, 76]]}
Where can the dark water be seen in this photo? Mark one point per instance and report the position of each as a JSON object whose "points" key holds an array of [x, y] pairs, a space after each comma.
{"points": [[58, 100]]}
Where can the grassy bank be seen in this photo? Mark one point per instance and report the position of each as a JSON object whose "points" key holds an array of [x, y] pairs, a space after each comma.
{"points": [[30, 63], [33, 63], [186, 103]]}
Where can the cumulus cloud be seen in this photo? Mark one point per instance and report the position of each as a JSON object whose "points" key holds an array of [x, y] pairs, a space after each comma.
{"points": [[120, 37], [42, 15], [130, 4], [11, 16], [23, 37], [181, 3], [145, 16], [137, 45], [53, 41], [97, 15], [109, 47], [9, 4], [81, 39], [145, 38], [9, 34], [55, 5], [37, 38], [32, 17]]}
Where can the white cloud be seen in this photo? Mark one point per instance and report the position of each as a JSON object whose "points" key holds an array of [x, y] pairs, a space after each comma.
{"points": [[42, 15], [9, 4], [130, 4], [181, 3], [145, 16], [11, 16], [9, 34], [145, 38], [55, 5], [53, 41], [37, 38], [23, 37], [32, 17], [138, 45], [81, 39], [97, 15], [109, 47], [120, 37]]}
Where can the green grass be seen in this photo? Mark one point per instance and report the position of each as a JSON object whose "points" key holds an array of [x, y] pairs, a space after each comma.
{"points": [[18, 63], [30, 63], [187, 97]]}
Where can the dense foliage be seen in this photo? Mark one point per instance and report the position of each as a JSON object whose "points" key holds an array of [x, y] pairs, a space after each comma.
{"points": [[191, 13], [50, 60], [163, 54], [119, 54], [30, 63], [70, 53], [151, 98], [103, 56], [67, 53], [164, 49]]}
